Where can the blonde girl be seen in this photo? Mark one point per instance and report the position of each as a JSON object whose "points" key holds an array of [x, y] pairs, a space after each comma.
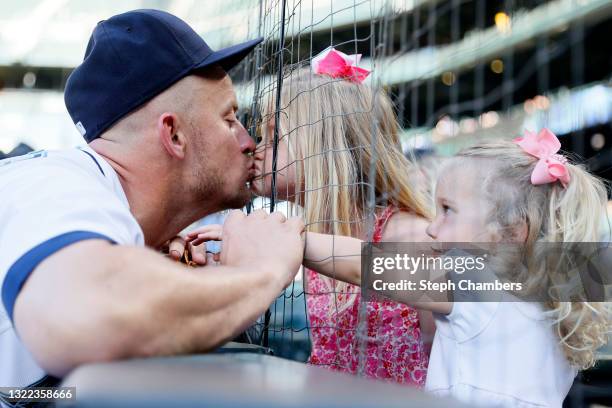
{"points": [[339, 137]]}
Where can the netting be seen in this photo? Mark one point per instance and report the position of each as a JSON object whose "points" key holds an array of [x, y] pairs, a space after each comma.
{"points": [[456, 71]]}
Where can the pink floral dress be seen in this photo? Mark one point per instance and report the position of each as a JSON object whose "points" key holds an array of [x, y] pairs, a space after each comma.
{"points": [[390, 342]]}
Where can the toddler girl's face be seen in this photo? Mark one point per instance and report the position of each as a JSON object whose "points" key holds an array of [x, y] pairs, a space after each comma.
{"points": [[461, 209], [285, 168]]}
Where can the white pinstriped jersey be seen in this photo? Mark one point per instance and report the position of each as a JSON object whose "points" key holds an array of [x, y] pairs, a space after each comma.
{"points": [[51, 199]]}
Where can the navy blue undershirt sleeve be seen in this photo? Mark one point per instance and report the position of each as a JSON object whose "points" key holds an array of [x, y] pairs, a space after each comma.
{"points": [[19, 272]]}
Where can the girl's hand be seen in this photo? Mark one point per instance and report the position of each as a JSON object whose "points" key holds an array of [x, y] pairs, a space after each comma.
{"points": [[194, 245], [212, 232]]}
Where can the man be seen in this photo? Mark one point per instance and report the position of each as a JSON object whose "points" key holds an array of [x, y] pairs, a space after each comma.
{"points": [[165, 149]]}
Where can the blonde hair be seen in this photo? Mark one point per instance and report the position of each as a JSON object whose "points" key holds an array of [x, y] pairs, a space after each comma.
{"points": [[552, 213], [345, 139]]}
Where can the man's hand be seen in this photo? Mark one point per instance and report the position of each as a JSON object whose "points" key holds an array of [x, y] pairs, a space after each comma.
{"points": [[261, 240], [254, 241]]}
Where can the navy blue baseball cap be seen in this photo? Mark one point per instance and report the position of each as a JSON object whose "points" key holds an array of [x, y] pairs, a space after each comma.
{"points": [[131, 58]]}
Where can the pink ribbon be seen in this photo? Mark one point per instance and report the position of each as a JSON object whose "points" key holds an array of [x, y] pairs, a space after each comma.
{"points": [[337, 64], [551, 166]]}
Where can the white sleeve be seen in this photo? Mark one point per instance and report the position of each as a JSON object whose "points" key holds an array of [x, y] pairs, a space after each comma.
{"points": [[48, 207]]}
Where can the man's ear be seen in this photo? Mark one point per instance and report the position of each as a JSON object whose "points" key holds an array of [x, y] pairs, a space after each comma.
{"points": [[171, 135]]}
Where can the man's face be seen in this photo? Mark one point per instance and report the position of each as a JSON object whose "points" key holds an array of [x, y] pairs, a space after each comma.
{"points": [[222, 161]]}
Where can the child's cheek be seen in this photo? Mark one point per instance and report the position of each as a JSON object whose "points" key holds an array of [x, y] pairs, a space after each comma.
{"points": [[457, 232]]}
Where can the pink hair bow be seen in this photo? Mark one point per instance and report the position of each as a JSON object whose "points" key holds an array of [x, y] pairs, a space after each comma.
{"points": [[551, 166], [337, 64]]}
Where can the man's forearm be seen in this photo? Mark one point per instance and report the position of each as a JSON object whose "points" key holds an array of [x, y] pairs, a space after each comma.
{"points": [[97, 302]]}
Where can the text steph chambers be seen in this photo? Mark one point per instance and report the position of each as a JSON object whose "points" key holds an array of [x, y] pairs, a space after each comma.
{"points": [[449, 285]]}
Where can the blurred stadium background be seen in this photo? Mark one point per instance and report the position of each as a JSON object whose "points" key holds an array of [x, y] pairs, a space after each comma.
{"points": [[458, 71]]}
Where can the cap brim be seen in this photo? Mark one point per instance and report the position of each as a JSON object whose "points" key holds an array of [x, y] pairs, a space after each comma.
{"points": [[229, 57]]}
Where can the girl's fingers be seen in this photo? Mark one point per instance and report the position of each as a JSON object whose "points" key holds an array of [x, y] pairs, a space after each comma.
{"points": [[198, 240], [198, 253], [195, 241], [208, 232], [176, 248], [207, 236]]}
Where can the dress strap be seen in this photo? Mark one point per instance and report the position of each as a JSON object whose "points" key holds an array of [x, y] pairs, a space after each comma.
{"points": [[381, 222]]}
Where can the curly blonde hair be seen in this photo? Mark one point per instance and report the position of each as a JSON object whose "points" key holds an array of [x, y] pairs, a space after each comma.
{"points": [[551, 213]]}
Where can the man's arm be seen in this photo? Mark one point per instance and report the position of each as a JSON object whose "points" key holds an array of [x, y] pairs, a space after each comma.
{"points": [[94, 301]]}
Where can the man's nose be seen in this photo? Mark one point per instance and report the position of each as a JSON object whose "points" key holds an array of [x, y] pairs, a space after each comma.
{"points": [[247, 144]]}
